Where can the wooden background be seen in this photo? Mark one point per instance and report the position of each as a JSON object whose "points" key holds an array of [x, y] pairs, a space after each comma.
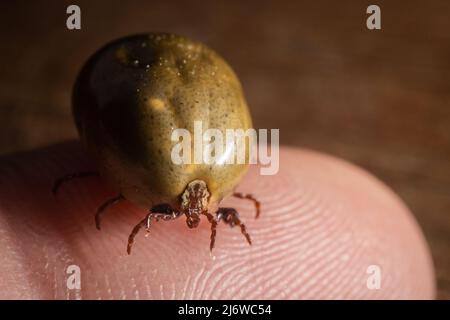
{"points": [[380, 99]]}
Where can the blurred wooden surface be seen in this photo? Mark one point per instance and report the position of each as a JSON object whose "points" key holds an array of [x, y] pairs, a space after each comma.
{"points": [[380, 99]]}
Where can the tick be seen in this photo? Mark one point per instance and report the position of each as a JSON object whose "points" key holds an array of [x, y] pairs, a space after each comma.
{"points": [[129, 97]]}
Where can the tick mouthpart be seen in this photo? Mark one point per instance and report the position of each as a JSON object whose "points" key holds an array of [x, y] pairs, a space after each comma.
{"points": [[192, 221]]}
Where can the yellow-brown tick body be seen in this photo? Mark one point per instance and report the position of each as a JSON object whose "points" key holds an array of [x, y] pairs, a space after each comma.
{"points": [[128, 99]]}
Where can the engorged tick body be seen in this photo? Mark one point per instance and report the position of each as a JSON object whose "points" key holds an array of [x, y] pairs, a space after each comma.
{"points": [[128, 99]]}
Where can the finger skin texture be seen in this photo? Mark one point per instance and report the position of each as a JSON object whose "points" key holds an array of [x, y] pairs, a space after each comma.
{"points": [[323, 223]]}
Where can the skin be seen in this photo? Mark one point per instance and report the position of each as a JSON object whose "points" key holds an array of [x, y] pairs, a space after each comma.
{"points": [[134, 92], [324, 222]]}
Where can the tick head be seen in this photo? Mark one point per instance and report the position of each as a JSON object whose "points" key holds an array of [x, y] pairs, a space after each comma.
{"points": [[194, 202]]}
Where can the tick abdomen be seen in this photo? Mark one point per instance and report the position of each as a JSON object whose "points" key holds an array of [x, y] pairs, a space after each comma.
{"points": [[134, 92]]}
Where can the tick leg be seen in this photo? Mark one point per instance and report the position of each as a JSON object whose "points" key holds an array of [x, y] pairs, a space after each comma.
{"points": [[72, 176], [231, 217], [162, 211], [102, 209], [251, 198], [134, 232], [213, 222]]}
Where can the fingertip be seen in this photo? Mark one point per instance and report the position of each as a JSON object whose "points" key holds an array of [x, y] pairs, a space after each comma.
{"points": [[323, 223]]}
